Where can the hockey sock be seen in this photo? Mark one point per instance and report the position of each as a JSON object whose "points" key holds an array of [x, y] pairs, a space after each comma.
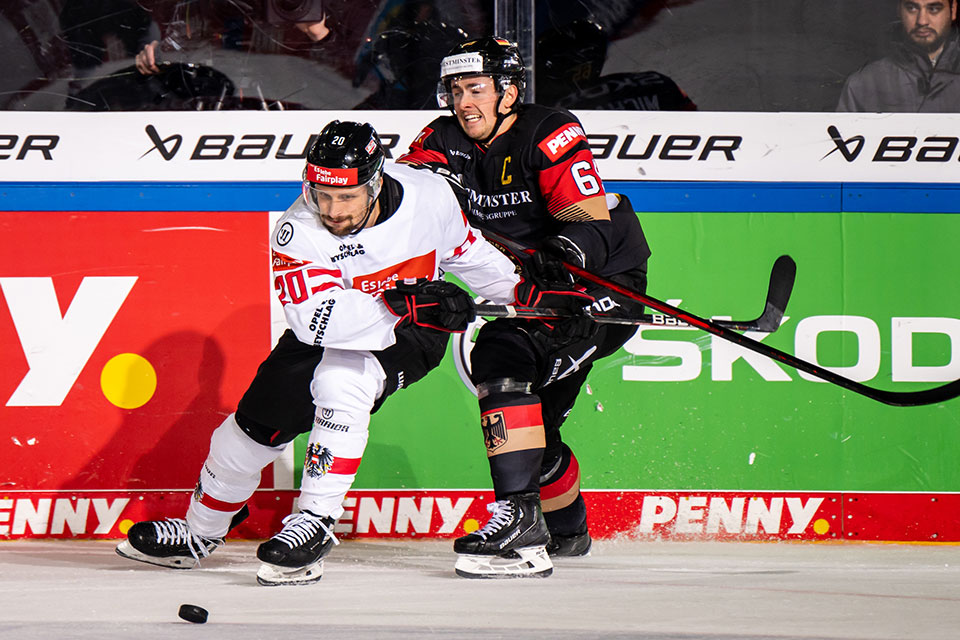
{"points": [[513, 433], [230, 475], [563, 505], [345, 387]]}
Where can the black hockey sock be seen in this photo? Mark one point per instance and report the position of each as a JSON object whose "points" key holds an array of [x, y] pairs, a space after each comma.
{"points": [[563, 505], [513, 434]]}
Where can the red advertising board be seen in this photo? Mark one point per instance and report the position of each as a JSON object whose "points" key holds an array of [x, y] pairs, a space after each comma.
{"points": [[125, 338]]}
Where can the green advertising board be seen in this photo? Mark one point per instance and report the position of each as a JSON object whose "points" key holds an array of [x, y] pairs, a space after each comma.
{"points": [[677, 409]]}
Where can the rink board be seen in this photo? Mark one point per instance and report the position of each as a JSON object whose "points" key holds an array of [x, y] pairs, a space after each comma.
{"points": [[134, 314], [641, 515]]}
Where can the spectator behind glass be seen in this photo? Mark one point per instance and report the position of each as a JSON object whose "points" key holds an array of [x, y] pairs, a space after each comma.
{"points": [[569, 61], [921, 75], [231, 17]]}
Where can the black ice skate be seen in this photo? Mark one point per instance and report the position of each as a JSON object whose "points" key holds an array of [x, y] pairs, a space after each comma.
{"points": [[575, 545], [170, 542], [295, 555], [511, 545]]}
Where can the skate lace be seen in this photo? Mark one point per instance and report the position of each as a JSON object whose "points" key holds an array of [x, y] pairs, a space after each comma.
{"points": [[502, 511], [176, 531], [298, 528]]}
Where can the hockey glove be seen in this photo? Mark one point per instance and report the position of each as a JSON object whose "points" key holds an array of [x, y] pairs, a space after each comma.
{"points": [[435, 304], [547, 283], [546, 264]]}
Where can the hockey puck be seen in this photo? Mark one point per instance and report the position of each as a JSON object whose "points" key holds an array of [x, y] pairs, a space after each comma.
{"points": [[193, 613]]}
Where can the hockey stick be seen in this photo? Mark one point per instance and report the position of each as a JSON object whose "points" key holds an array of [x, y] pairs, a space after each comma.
{"points": [[778, 293], [895, 398]]}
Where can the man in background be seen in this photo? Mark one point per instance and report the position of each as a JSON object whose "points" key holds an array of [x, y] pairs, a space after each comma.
{"points": [[922, 75]]}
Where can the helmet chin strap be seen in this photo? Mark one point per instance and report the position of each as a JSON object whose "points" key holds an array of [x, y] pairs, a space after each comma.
{"points": [[373, 203], [499, 121]]}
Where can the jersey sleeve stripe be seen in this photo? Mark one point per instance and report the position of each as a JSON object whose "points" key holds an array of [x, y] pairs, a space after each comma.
{"points": [[336, 273], [324, 287]]}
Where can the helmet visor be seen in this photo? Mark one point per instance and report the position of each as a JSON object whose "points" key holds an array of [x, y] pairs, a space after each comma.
{"points": [[451, 90]]}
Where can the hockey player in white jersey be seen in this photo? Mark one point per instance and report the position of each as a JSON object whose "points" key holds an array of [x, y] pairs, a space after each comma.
{"points": [[356, 262]]}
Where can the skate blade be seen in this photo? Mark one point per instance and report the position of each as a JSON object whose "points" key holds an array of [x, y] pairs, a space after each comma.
{"points": [[126, 550], [270, 575], [529, 562]]}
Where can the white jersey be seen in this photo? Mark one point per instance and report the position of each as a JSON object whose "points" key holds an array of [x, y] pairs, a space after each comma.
{"points": [[330, 286]]}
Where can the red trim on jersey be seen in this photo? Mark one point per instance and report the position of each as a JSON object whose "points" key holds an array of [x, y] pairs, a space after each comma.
{"points": [[219, 505], [416, 154], [559, 187], [569, 479], [344, 466], [562, 140], [459, 251], [324, 287], [312, 272]]}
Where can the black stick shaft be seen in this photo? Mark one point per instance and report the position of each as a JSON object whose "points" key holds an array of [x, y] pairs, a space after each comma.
{"points": [[895, 398]]}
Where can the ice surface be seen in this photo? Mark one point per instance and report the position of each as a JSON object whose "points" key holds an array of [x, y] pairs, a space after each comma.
{"points": [[407, 589]]}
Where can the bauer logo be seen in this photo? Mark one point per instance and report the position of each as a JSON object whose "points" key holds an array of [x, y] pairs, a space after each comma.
{"points": [[27, 147], [220, 146], [898, 149]]}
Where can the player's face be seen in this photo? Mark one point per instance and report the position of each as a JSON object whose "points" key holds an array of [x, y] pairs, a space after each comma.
{"points": [[341, 209], [927, 22], [475, 105]]}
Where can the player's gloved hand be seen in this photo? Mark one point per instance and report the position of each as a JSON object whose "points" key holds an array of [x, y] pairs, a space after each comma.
{"points": [[435, 304], [546, 264], [547, 283]]}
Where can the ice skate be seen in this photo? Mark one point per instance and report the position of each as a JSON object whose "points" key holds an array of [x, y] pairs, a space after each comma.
{"points": [[576, 545], [171, 543], [295, 555], [511, 545]]}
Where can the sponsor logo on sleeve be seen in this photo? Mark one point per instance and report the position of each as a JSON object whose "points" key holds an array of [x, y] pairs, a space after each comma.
{"points": [[562, 140], [283, 262]]}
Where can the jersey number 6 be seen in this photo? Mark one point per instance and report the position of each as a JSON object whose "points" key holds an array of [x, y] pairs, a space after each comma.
{"points": [[583, 175]]}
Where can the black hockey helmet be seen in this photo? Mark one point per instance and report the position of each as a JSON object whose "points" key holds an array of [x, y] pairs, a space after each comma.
{"points": [[345, 154], [490, 56]]}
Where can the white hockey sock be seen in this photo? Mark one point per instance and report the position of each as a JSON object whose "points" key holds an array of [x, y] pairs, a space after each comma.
{"points": [[345, 386], [230, 475]]}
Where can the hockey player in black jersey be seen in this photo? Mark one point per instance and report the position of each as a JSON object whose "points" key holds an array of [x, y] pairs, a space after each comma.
{"points": [[528, 173]]}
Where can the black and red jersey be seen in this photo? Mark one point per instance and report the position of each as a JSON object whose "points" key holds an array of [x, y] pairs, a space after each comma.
{"points": [[535, 180]]}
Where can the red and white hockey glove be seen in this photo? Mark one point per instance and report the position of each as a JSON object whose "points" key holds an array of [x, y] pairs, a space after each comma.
{"points": [[435, 304]]}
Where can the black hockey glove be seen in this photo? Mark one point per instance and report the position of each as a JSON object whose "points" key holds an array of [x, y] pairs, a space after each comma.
{"points": [[531, 293], [546, 264], [435, 304]]}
